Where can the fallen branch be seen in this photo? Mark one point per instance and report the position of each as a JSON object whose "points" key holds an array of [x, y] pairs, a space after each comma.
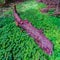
{"points": [[56, 14], [38, 35], [44, 10]]}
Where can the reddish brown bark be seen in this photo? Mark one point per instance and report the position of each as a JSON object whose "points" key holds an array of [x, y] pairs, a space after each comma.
{"points": [[38, 35], [51, 4]]}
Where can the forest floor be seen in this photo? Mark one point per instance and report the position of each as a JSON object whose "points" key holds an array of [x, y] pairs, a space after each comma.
{"points": [[17, 44]]}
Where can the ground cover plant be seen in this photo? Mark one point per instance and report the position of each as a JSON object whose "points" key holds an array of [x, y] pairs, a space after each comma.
{"points": [[15, 42]]}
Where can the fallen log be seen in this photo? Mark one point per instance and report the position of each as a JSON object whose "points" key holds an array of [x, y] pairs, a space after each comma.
{"points": [[37, 34], [44, 10], [56, 14], [51, 4]]}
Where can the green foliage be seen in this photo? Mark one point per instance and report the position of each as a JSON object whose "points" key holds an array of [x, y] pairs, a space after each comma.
{"points": [[15, 39], [2, 1]]}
